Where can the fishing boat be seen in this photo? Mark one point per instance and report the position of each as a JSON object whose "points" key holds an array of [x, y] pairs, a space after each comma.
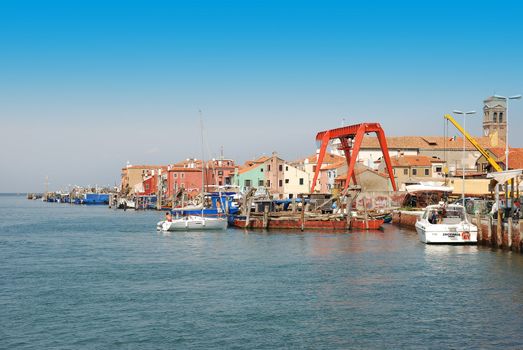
{"points": [[216, 204], [446, 224]]}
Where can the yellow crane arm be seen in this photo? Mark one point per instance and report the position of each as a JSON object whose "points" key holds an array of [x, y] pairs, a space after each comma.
{"points": [[476, 145]]}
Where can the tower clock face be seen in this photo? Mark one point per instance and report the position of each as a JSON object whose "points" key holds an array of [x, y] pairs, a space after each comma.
{"points": [[485, 132]]}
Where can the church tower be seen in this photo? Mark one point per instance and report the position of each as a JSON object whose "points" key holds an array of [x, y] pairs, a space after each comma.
{"points": [[494, 119]]}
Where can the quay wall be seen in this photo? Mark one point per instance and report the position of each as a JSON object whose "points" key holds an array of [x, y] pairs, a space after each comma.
{"points": [[507, 236]]}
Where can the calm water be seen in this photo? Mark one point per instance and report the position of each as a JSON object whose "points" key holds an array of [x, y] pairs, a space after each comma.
{"points": [[75, 277]]}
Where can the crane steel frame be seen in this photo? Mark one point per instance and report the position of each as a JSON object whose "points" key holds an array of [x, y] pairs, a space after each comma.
{"points": [[350, 143]]}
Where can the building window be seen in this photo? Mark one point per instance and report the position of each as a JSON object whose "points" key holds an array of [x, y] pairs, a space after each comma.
{"points": [[182, 175], [268, 167], [261, 169], [426, 172], [260, 183], [495, 117], [405, 171], [147, 187], [393, 171], [301, 180], [286, 168], [314, 168], [280, 183], [280, 167], [268, 183], [290, 195], [438, 169], [247, 183], [501, 117], [286, 181], [175, 176], [414, 172], [220, 172]]}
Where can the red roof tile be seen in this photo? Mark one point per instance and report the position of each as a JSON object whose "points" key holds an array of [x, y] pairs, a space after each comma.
{"points": [[406, 161]]}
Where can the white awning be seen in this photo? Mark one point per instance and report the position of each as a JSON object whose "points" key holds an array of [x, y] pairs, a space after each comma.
{"points": [[504, 176]]}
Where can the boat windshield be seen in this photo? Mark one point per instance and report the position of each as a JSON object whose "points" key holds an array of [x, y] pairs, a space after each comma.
{"points": [[452, 215]]}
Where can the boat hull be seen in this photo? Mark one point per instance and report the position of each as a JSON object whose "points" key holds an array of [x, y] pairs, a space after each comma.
{"points": [[192, 223], [291, 224], [371, 224], [447, 235]]}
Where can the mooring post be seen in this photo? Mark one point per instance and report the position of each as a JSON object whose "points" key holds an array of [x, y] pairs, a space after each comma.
{"points": [[478, 224], [302, 213], [265, 216], [499, 240], [489, 230], [349, 211], [509, 238], [248, 214]]}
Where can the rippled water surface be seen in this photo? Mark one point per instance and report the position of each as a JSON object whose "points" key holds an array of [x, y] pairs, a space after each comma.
{"points": [[74, 277]]}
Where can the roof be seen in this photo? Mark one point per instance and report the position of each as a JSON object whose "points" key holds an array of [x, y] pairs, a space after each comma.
{"points": [[258, 161], [425, 142], [190, 161], [358, 169], [329, 158], [334, 165], [247, 168], [145, 167], [181, 168], [515, 156], [407, 161]]}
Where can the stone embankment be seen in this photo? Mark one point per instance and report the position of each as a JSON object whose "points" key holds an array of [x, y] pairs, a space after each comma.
{"points": [[505, 236]]}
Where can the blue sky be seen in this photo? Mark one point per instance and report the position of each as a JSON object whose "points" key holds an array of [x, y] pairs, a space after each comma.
{"points": [[87, 85]]}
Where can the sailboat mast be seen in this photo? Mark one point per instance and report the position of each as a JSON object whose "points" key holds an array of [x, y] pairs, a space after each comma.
{"points": [[203, 155]]}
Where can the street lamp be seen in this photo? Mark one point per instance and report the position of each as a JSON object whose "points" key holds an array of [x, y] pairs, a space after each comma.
{"points": [[464, 133], [515, 97]]}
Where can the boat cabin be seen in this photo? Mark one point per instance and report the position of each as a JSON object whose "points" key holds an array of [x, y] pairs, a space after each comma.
{"points": [[449, 215]]}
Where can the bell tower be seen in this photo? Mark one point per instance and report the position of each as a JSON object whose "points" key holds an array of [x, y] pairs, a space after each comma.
{"points": [[494, 119]]}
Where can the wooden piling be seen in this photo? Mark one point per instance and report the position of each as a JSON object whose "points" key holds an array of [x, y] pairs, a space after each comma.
{"points": [[509, 238], [499, 241], [302, 215], [478, 224], [248, 213], [266, 217], [489, 230]]}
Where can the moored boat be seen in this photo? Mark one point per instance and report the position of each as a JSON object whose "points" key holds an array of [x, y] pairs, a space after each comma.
{"points": [[446, 224], [192, 223]]}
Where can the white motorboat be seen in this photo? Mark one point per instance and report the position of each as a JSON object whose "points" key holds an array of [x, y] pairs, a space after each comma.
{"points": [[446, 224], [192, 223]]}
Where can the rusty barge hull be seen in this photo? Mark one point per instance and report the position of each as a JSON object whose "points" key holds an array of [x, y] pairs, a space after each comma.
{"points": [[291, 224]]}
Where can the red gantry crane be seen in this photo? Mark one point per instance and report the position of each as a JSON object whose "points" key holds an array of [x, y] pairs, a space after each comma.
{"points": [[350, 142]]}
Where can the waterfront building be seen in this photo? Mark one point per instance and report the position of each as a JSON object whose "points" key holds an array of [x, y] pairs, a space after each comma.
{"points": [[132, 177], [368, 179], [328, 175], [280, 178], [410, 169], [179, 177], [250, 175], [515, 159], [219, 173], [309, 164]]}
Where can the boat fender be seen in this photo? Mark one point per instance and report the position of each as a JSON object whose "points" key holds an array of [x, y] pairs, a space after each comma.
{"points": [[465, 235]]}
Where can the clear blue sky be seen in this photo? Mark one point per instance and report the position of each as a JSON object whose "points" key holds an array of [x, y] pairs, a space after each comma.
{"points": [[87, 85]]}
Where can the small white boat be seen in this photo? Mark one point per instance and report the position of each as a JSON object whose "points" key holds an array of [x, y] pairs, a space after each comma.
{"points": [[192, 223], [446, 224]]}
